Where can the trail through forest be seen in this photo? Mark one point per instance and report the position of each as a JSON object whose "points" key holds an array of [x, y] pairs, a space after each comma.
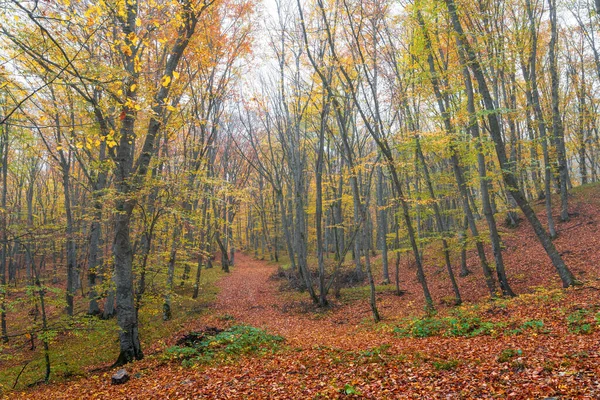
{"points": [[338, 353], [252, 297]]}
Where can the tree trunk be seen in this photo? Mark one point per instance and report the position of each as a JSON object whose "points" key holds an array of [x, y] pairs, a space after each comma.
{"points": [[382, 226], [509, 178], [558, 133]]}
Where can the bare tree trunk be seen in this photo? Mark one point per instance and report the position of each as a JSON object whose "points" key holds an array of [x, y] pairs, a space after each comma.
{"points": [[71, 249], [558, 133], [319, 204], [201, 247], [534, 99], [440, 224], [382, 226], [167, 313], [509, 178], [3, 228], [483, 183]]}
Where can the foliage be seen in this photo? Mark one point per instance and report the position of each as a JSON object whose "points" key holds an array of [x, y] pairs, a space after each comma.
{"points": [[580, 322], [239, 340], [446, 365], [460, 324], [350, 389], [533, 325]]}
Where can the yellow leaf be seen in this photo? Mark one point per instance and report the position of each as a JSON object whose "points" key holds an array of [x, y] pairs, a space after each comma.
{"points": [[166, 80], [133, 87], [171, 108], [138, 22], [175, 75]]}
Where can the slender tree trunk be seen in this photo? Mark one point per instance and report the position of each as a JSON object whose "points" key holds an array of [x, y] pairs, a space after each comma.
{"points": [[70, 246], [319, 205], [440, 224], [167, 313], [582, 132], [534, 99], [462, 240], [201, 247], [382, 226], [509, 178], [483, 183], [442, 102], [557, 127], [4, 228]]}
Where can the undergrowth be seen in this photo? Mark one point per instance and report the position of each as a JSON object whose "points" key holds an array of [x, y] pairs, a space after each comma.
{"points": [[89, 341], [223, 346], [459, 323]]}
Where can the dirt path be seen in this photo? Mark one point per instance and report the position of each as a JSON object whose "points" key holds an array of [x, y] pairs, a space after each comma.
{"points": [[252, 297], [247, 292]]}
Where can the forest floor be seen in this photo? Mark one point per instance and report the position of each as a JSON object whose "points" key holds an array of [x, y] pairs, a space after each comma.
{"points": [[543, 343]]}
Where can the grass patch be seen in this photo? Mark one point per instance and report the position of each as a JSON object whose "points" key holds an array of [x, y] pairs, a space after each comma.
{"points": [[88, 341], [357, 293]]}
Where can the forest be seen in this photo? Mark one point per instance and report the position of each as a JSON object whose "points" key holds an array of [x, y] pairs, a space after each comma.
{"points": [[299, 199]]}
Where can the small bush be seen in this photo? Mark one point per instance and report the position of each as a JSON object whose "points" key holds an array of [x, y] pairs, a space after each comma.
{"points": [[421, 328], [468, 325]]}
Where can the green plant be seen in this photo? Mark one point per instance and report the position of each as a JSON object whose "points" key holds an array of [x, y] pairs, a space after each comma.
{"points": [[349, 389], [228, 344], [534, 325], [507, 354], [420, 328], [459, 324], [226, 317], [468, 325], [445, 365], [579, 322], [375, 354]]}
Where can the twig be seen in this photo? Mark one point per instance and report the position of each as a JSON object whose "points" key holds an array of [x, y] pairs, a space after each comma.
{"points": [[18, 376]]}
